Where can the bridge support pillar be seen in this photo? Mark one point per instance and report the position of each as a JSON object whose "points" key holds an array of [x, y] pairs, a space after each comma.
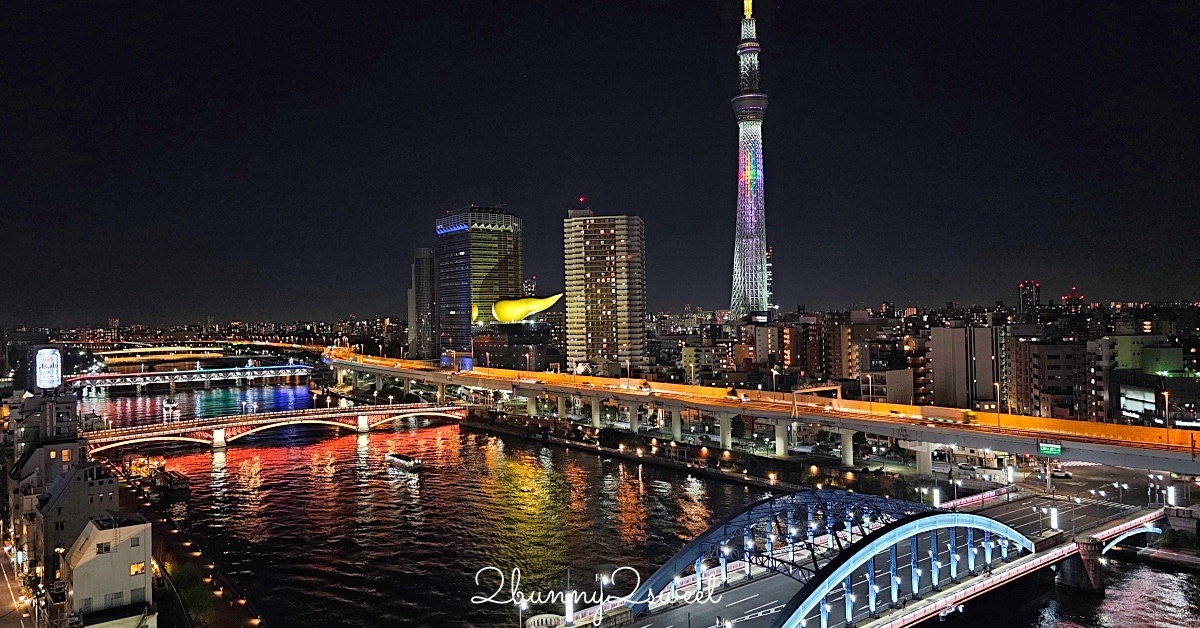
{"points": [[531, 405], [872, 590], [562, 407], [633, 419], [847, 448], [724, 423], [441, 394], [676, 423], [895, 581], [364, 424], [207, 384], [596, 407], [1084, 571], [218, 438], [924, 453], [356, 378], [139, 388], [781, 439], [407, 386]]}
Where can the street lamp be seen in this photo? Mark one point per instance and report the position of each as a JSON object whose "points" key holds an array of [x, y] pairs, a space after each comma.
{"points": [[328, 400], [521, 608], [375, 401], [1120, 491], [1167, 413], [997, 385], [603, 580], [391, 399]]}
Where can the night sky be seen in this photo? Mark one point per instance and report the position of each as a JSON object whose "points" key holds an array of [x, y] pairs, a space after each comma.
{"points": [[162, 162]]}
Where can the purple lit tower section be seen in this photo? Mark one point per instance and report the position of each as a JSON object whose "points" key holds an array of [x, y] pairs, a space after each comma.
{"points": [[751, 271]]}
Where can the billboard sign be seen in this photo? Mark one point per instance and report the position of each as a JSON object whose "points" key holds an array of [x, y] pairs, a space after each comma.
{"points": [[48, 365]]}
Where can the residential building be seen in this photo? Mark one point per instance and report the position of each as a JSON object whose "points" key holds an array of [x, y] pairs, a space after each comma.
{"points": [[1048, 378], [109, 572], [605, 292], [965, 366], [422, 306]]}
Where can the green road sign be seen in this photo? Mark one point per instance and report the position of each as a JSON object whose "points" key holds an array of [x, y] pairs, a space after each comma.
{"points": [[1049, 449]]}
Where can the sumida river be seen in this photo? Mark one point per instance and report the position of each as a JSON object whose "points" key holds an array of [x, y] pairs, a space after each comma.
{"points": [[320, 532]]}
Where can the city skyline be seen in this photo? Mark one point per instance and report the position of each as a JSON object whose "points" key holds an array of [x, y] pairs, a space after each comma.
{"points": [[903, 170]]}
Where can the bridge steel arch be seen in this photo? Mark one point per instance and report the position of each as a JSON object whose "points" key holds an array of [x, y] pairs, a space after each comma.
{"points": [[757, 533], [148, 439], [258, 428], [1146, 529], [838, 573], [444, 415]]}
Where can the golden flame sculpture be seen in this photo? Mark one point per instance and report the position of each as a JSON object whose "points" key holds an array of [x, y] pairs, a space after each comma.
{"points": [[517, 310]]}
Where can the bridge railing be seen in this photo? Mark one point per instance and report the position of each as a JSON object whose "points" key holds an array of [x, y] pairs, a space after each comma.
{"points": [[980, 498]]}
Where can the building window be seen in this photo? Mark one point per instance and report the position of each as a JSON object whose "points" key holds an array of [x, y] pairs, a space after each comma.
{"points": [[137, 595], [137, 569], [135, 541], [66, 457], [53, 454], [103, 548], [86, 605], [60, 525]]}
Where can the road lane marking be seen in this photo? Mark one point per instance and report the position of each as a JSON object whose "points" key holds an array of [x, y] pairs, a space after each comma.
{"points": [[764, 605], [742, 600]]}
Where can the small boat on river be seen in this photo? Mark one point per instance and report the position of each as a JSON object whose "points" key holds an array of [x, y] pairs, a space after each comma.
{"points": [[405, 462]]}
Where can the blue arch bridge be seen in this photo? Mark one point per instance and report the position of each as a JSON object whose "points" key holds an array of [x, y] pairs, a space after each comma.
{"points": [[833, 558]]}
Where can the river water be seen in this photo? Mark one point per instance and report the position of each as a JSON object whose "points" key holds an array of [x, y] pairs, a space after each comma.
{"points": [[321, 533]]}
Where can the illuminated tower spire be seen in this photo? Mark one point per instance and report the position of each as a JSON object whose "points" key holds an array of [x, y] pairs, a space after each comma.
{"points": [[751, 272]]}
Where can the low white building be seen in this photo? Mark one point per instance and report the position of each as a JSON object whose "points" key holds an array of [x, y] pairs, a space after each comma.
{"points": [[109, 575]]}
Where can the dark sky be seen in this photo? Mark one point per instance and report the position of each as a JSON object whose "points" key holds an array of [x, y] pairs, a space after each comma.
{"points": [[165, 161]]}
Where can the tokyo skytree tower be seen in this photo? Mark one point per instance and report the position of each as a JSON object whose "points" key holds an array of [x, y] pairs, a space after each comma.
{"points": [[751, 272]]}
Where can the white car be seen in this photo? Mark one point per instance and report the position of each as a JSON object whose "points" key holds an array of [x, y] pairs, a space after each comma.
{"points": [[1060, 473], [966, 466]]}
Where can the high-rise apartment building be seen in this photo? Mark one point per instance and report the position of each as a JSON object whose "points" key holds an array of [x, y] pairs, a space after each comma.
{"points": [[422, 306], [965, 365], [1030, 296], [1048, 379], [605, 291], [479, 262]]}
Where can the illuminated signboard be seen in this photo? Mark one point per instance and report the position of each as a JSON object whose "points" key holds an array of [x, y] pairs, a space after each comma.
{"points": [[48, 363], [1049, 448]]}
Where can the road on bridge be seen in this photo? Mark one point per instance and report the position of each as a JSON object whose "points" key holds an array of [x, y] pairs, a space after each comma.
{"points": [[755, 604]]}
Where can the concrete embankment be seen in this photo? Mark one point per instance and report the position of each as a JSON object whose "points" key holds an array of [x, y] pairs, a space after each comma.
{"points": [[536, 434], [211, 598]]}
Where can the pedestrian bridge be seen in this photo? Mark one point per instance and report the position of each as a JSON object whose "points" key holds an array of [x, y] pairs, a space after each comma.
{"points": [[836, 558], [220, 431]]}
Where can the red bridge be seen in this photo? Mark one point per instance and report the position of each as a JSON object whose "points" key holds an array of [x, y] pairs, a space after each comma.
{"points": [[219, 431]]}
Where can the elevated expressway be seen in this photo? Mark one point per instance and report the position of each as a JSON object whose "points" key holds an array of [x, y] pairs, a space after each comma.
{"points": [[916, 427]]}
